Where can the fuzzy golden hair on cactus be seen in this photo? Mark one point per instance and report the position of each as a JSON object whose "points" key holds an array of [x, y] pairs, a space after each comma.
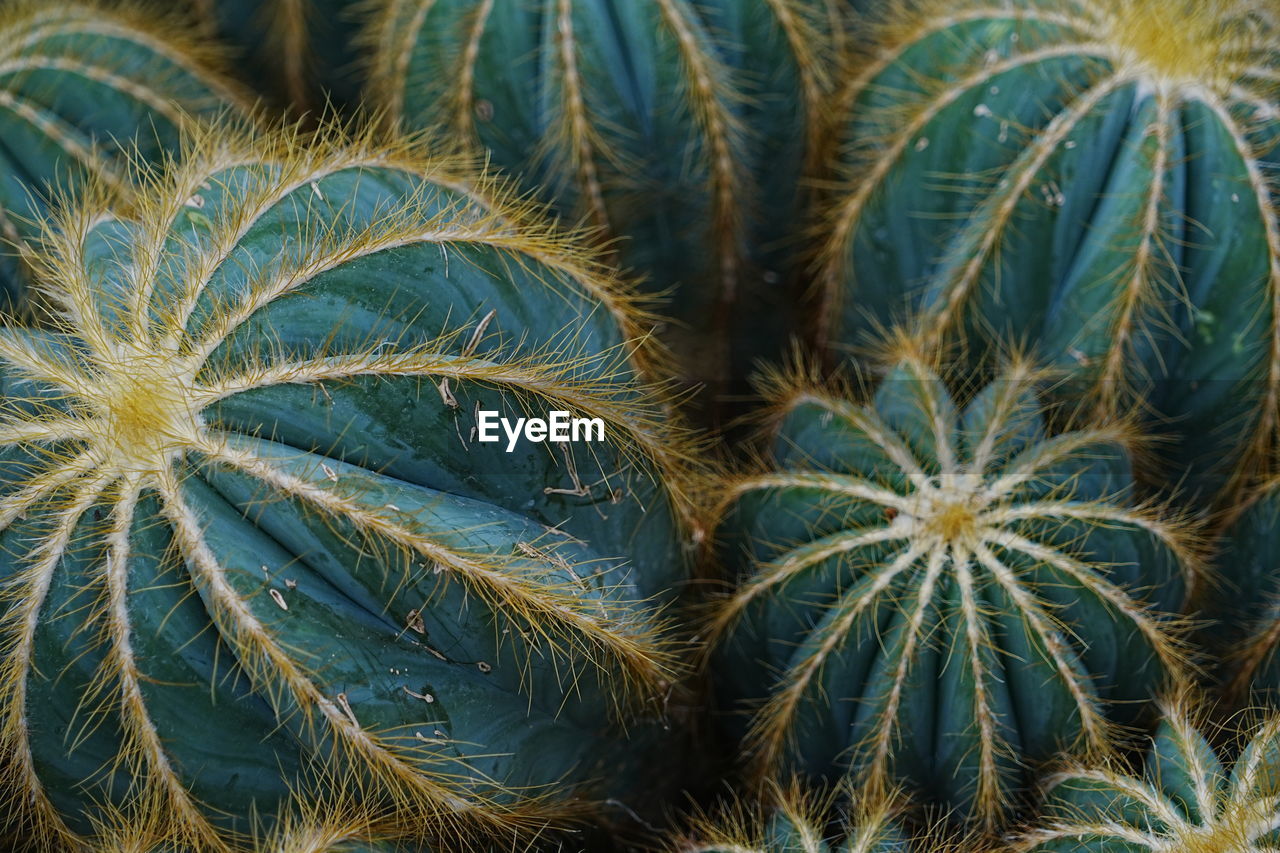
{"points": [[84, 85], [1187, 796], [1093, 176], [796, 819], [680, 130], [250, 526], [934, 590]]}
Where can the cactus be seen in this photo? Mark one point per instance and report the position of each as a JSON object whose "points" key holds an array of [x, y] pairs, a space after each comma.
{"points": [[249, 540], [678, 128], [300, 50], [1186, 799], [940, 595], [798, 822], [1088, 176], [81, 84], [1244, 606]]}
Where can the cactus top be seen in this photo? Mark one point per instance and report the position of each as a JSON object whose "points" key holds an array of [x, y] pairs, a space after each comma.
{"points": [[1090, 176], [937, 594], [1187, 799], [239, 496]]}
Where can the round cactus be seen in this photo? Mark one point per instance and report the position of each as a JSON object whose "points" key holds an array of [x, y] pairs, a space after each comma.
{"points": [[940, 595], [678, 128], [301, 50], [1093, 178], [251, 535], [81, 86], [797, 821], [1186, 799]]}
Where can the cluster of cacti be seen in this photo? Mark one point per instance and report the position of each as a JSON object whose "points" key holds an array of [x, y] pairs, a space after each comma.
{"points": [[349, 498]]}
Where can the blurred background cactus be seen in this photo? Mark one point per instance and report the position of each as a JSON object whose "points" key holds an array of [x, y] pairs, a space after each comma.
{"points": [[680, 130], [1092, 179], [84, 85], [249, 535], [301, 52]]}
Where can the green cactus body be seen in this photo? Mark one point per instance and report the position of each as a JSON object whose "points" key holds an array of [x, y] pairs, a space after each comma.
{"points": [[799, 822], [1244, 606], [300, 50], [680, 129], [251, 539], [1090, 178], [81, 85], [1187, 798], [939, 595]]}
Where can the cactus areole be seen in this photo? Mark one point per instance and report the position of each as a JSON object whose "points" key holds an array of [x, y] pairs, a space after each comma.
{"points": [[679, 129], [249, 542], [1091, 177], [82, 86], [939, 595]]}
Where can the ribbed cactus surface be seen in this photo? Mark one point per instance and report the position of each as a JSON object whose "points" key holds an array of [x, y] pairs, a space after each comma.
{"points": [[797, 821], [1244, 605], [301, 51], [1092, 178], [939, 593], [679, 128], [250, 541], [82, 84], [1186, 798]]}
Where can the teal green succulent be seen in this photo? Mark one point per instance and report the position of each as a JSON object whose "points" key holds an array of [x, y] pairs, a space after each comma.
{"points": [[1091, 178], [1187, 798], [940, 593], [251, 538], [680, 129], [83, 86]]}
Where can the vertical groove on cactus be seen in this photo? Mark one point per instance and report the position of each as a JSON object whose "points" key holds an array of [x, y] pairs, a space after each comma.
{"points": [[1186, 799], [1090, 175], [81, 84], [241, 491], [678, 129], [925, 590]]}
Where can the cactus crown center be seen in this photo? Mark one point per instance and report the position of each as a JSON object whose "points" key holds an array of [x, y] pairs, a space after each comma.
{"points": [[144, 409], [1182, 43]]}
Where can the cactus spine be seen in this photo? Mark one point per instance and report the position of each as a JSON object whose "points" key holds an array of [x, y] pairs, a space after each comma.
{"points": [[678, 129], [1090, 176], [248, 542], [1187, 799], [940, 595]]}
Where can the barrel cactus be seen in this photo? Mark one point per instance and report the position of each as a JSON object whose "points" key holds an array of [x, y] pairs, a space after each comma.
{"points": [[301, 51], [940, 594], [253, 537], [81, 86], [1093, 178], [678, 128], [1185, 799], [797, 821]]}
